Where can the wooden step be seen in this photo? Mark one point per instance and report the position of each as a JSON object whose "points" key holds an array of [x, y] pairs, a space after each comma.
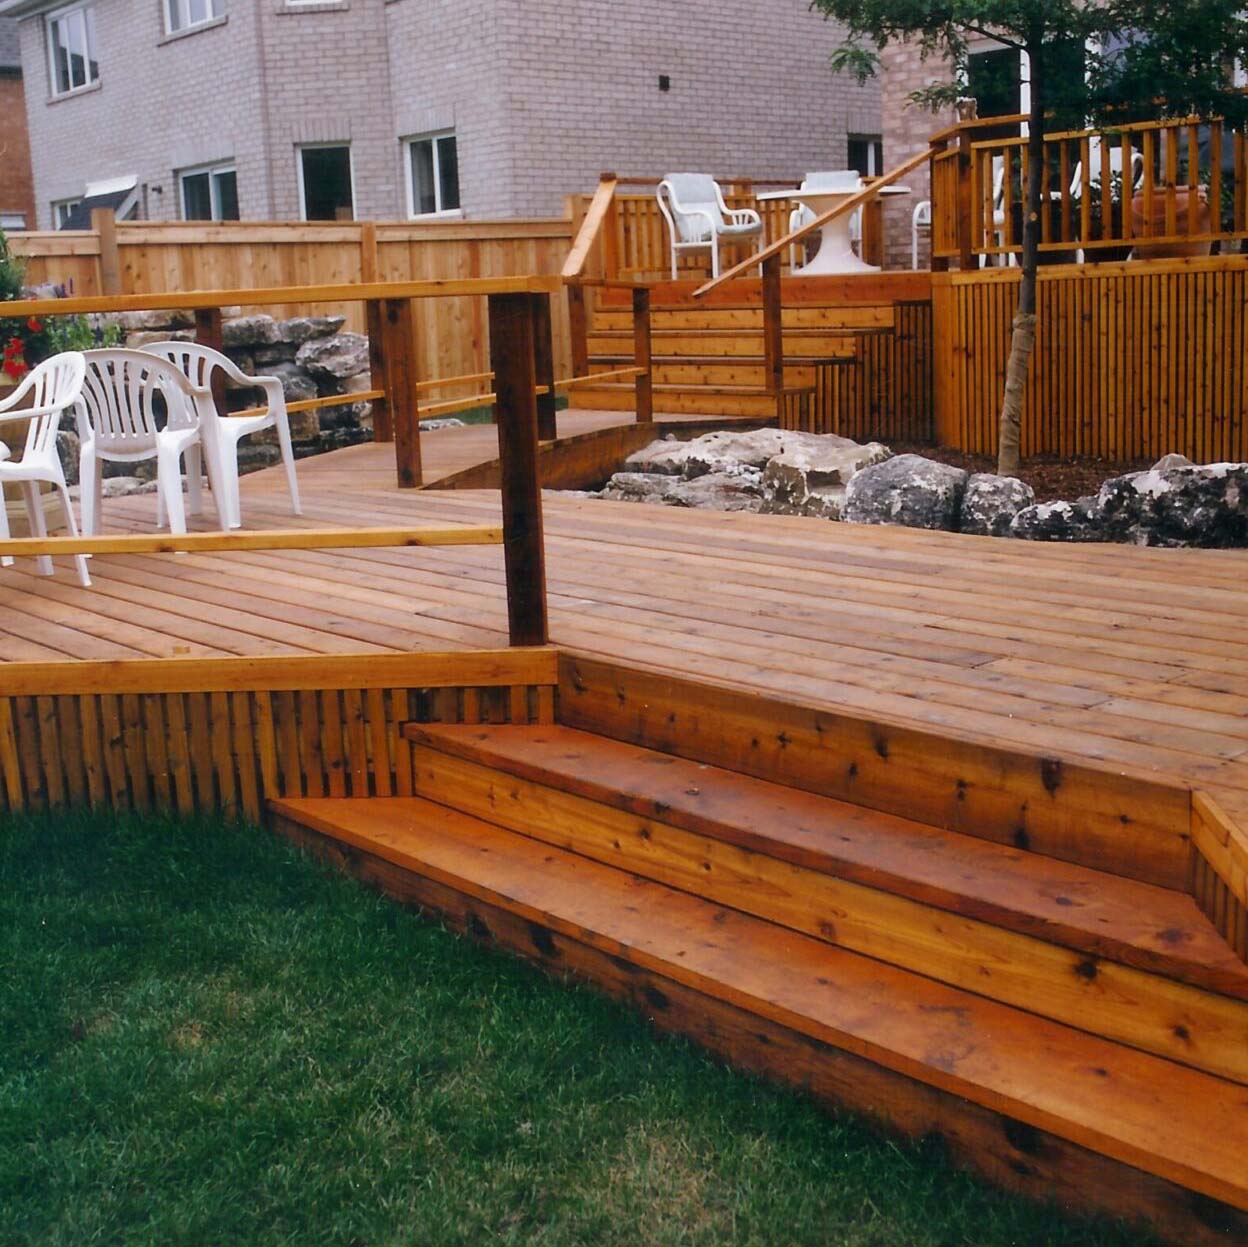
{"points": [[663, 318], [714, 342], [694, 399], [1133, 962], [718, 371], [1151, 1115]]}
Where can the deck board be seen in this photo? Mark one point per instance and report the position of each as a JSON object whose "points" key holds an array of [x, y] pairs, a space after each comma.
{"points": [[1136, 658]]}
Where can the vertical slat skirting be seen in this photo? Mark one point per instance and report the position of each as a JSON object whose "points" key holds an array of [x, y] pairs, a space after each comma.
{"points": [[230, 751]]}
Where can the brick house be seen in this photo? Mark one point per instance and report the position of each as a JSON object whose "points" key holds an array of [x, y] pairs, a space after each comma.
{"points": [[17, 188], [323, 109]]}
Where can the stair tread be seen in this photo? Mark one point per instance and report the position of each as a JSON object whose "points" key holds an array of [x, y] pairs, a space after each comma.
{"points": [[692, 387], [726, 361], [1166, 1119], [1138, 924]]}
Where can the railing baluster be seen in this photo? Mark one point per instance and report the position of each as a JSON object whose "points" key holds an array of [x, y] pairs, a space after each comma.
{"points": [[1107, 190], [1085, 191], [1127, 190], [1064, 190], [1215, 175], [1172, 177], [1150, 180]]}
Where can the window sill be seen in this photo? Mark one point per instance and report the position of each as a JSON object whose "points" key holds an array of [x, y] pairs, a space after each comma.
{"points": [[450, 214], [76, 92], [174, 35], [289, 7]]}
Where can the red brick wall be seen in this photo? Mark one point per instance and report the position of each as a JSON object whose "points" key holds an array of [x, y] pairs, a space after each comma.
{"points": [[17, 186]]}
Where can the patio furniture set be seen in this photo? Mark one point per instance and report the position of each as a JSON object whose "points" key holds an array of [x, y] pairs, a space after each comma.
{"points": [[130, 406], [698, 218]]}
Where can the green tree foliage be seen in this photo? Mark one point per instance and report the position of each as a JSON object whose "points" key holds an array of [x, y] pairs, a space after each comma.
{"points": [[1143, 59]]}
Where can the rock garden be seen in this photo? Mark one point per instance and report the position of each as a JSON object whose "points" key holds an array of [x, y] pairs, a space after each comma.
{"points": [[773, 471]]}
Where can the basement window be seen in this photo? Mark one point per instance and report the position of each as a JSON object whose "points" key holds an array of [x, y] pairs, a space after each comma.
{"points": [[326, 183], [210, 194]]}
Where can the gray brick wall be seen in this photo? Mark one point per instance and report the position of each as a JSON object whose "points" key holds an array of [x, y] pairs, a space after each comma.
{"points": [[542, 97]]}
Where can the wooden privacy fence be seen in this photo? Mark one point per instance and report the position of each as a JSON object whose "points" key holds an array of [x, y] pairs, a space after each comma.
{"points": [[1132, 360], [144, 257]]}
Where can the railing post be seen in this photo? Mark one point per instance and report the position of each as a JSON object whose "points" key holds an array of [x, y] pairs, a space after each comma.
{"points": [[872, 243], [578, 326], [611, 240], [966, 255], [104, 223], [208, 332], [773, 331], [642, 353], [383, 412], [512, 358], [398, 337], [544, 368], [937, 264]]}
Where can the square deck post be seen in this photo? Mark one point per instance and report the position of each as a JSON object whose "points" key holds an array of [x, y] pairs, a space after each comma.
{"points": [[515, 413], [642, 353], [773, 332], [544, 366], [398, 338], [383, 419]]}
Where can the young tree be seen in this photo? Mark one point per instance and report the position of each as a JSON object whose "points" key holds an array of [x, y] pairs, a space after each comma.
{"points": [[1143, 58]]}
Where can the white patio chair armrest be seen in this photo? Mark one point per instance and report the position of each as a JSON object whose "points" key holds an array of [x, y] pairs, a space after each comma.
{"points": [[743, 216], [234, 372], [274, 394], [30, 413]]}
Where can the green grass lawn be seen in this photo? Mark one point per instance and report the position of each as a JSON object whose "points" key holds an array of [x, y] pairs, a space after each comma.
{"points": [[207, 1039]]}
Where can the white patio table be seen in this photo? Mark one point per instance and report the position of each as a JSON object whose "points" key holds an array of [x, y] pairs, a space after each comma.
{"points": [[835, 254]]}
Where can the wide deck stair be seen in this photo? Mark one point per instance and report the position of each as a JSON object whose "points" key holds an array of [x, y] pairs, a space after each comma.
{"points": [[1076, 1034], [848, 366]]}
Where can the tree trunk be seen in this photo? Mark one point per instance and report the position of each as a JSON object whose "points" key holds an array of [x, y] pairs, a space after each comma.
{"points": [[1024, 336]]}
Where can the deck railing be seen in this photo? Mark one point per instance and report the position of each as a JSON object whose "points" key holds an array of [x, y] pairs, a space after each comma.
{"points": [[1151, 189], [522, 372], [621, 235]]}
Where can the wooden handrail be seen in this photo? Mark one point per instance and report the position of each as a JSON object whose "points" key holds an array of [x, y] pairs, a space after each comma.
{"points": [[590, 227], [273, 539], [851, 204], [353, 292]]}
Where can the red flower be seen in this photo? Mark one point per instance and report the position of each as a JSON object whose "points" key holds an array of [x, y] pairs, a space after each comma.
{"points": [[34, 325]]}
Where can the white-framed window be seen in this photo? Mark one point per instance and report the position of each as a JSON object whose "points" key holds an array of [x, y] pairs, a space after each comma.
{"points": [[432, 174], [72, 61], [186, 14], [12, 220], [209, 193], [62, 209], [326, 182]]}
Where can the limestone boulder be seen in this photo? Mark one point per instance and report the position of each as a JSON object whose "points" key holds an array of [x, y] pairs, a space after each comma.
{"points": [[245, 331], [149, 322], [1181, 505], [300, 329], [344, 355], [908, 490], [1059, 521], [809, 477], [713, 490], [139, 338], [297, 386], [991, 502]]}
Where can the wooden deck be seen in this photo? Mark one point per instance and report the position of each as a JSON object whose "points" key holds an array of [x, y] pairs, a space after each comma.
{"points": [[1134, 658]]}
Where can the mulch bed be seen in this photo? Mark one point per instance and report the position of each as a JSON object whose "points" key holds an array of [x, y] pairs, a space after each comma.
{"points": [[1051, 477]]}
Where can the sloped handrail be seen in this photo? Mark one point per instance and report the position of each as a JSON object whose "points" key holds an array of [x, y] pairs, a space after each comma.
{"points": [[852, 204], [591, 226]]}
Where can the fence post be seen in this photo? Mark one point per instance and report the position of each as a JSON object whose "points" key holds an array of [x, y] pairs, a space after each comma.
{"points": [[399, 360], [773, 332], [368, 252], [642, 354], [383, 412], [512, 358], [544, 368], [578, 326], [104, 223]]}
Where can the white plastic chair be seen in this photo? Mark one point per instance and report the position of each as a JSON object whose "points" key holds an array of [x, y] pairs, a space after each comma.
{"points": [[697, 217], [920, 219], [847, 180], [198, 364], [53, 387], [137, 406]]}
